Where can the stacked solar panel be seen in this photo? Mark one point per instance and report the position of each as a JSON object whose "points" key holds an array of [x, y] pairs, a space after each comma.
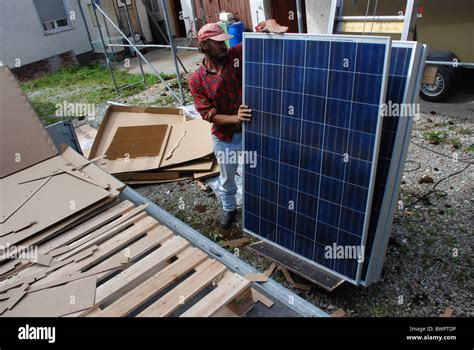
{"points": [[316, 131]]}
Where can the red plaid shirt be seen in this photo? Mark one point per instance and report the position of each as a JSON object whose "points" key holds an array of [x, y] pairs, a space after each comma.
{"points": [[216, 93]]}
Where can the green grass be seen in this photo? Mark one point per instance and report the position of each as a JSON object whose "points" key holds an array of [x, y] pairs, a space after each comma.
{"points": [[90, 84], [470, 148], [465, 131], [435, 137], [456, 143]]}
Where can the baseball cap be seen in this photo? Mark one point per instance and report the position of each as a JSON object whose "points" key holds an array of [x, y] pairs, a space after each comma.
{"points": [[213, 31]]}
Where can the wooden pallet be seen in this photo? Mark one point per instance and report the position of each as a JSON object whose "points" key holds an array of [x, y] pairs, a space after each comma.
{"points": [[141, 268]]}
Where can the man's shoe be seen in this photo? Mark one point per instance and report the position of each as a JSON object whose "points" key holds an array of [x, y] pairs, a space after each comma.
{"points": [[227, 218]]}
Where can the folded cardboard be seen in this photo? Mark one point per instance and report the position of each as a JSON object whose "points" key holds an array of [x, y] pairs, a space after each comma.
{"points": [[17, 117], [149, 176], [134, 139], [215, 170], [197, 165], [120, 116], [138, 141], [188, 141], [86, 135], [142, 146], [57, 197]]}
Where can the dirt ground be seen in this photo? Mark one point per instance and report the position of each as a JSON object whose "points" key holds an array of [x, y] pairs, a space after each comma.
{"points": [[429, 263]]}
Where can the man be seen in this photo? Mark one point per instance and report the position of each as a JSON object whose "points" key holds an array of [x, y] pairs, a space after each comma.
{"points": [[217, 90]]}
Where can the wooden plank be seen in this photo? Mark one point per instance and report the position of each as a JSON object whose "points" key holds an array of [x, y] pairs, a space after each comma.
{"points": [[155, 237], [235, 243], [270, 270], [147, 290], [290, 279], [224, 312], [257, 296], [338, 313], [257, 277], [205, 274], [128, 277], [296, 265], [242, 303], [447, 313], [227, 289]]}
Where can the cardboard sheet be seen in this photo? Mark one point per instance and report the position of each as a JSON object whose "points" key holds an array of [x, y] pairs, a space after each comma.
{"points": [[148, 176], [57, 301], [62, 196], [188, 141], [119, 116], [23, 139], [198, 165], [138, 141], [86, 135], [214, 171], [150, 182]]}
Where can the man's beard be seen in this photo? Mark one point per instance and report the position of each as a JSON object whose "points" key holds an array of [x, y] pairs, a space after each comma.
{"points": [[218, 55]]}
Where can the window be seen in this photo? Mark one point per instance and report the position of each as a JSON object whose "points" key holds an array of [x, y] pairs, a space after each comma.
{"points": [[52, 14]]}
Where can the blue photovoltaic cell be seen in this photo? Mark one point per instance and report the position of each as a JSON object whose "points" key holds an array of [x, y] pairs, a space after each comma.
{"points": [[315, 110]]}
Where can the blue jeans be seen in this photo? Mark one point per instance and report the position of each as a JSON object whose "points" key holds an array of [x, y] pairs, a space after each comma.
{"points": [[227, 186]]}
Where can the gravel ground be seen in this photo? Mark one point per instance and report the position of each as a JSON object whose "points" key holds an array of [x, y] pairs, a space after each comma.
{"points": [[429, 264]]}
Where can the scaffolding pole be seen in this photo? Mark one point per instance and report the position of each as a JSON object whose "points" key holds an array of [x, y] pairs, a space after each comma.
{"points": [[132, 33], [96, 6], [299, 14], [105, 50], [189, 48]]}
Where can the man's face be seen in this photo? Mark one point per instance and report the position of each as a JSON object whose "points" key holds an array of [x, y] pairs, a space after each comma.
{"points": [[216, 50]]}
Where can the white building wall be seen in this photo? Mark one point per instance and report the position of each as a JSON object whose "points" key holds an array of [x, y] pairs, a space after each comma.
{"points": [[144, 23], [317, 16], [188, 11], [260, 11], [23, 40]]}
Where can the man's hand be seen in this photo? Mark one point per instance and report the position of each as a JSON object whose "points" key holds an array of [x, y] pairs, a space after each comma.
{"points": [[244, 114], [270, 26]]}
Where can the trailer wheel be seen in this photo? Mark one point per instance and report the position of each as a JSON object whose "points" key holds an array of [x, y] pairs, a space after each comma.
{"points": [[438, 91]]}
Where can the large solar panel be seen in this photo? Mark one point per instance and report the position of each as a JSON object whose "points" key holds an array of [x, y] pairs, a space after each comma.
{"points": [[316, 129], [406, 67]]}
